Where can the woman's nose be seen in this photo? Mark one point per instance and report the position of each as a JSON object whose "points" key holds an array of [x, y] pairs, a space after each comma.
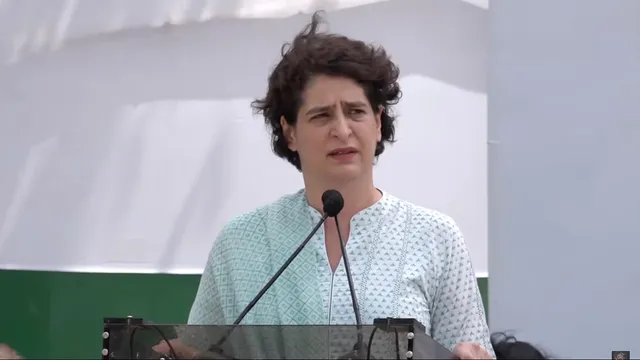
{"points": [[342, 128]]}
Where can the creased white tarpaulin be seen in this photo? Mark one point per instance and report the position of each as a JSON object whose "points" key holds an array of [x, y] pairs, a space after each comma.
{"points": [[128, 148], [31, 26]]}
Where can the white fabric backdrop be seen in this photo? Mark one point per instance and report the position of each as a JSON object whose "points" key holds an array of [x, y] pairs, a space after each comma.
{"points": [[36, 26], [128, 151]]}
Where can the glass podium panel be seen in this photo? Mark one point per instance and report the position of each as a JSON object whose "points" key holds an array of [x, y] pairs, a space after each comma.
{"points": [[130, 341]]}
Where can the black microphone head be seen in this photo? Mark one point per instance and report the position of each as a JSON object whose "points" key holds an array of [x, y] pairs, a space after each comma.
{"points": [[332, 202]]}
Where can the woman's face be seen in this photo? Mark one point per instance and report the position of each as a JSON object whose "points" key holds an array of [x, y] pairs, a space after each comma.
{"points": [[336, 131]]}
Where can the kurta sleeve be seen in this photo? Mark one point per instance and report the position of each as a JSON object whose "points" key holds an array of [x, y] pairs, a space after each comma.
{"points": [[207, 308], [458, 313]]}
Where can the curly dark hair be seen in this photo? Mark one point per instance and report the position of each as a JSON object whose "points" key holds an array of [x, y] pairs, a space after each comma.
{"points": [[508, 347], [314, 53]]}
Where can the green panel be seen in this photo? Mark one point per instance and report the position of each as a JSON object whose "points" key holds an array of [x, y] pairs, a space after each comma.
{"points": [[25, 312], [59, 315], [483, 284]]}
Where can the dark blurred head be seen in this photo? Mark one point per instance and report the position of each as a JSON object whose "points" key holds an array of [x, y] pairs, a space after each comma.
{"points": [[508, 347], [330, 92]]}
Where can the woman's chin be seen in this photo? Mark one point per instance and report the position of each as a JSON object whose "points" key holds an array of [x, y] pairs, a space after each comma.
{"points": [[345, 171]]}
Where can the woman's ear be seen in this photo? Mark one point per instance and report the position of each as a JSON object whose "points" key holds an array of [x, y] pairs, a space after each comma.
{"points": [[289, 134], [378, 116]]}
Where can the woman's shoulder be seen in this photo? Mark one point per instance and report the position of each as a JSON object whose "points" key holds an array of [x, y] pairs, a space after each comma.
{"points": [[259, 220], [428, 223]]}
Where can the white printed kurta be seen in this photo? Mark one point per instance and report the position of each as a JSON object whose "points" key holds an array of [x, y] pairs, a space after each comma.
{"points": [[406, 261]]}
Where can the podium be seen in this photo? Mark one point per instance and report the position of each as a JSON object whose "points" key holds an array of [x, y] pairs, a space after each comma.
{"points": [[389, 338]]}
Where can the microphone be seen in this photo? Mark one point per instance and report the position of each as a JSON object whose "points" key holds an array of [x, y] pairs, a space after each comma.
{"points": [[332, 204], [359, 348]]}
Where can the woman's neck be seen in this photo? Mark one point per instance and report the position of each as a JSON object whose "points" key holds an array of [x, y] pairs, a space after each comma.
{"points": [[358, 195]]}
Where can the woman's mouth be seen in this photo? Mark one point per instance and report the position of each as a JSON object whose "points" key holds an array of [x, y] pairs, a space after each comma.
{"points": [[343, 154]]}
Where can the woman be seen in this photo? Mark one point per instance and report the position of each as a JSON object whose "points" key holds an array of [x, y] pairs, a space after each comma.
{"points": [[328, 107]]}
